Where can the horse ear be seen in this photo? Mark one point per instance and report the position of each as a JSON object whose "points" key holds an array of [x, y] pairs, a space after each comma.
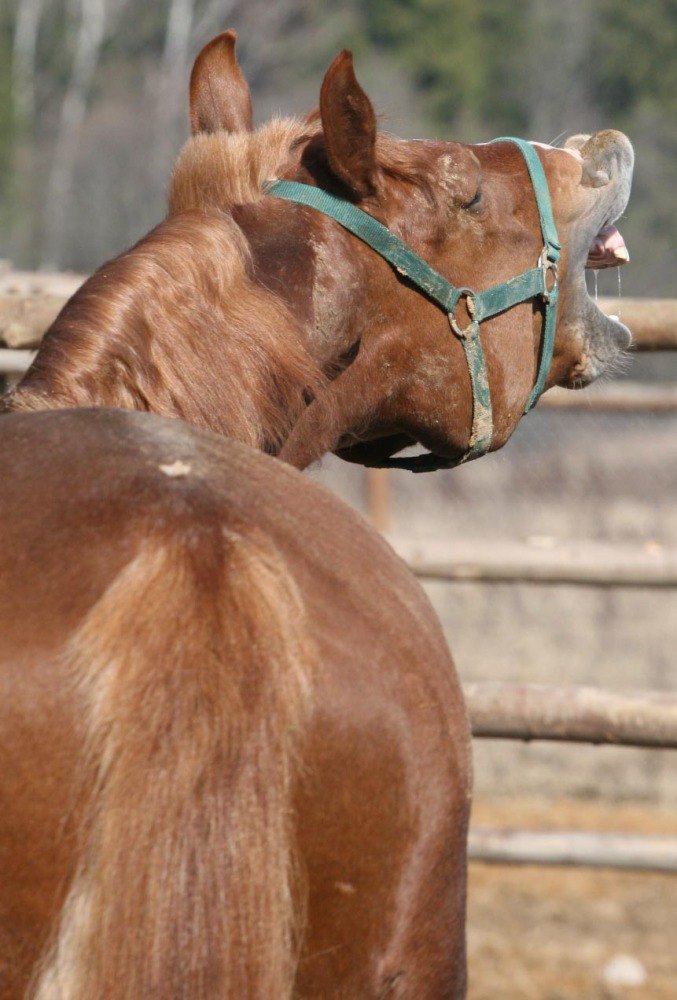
{"points": [[219, 94], [349, 125]]}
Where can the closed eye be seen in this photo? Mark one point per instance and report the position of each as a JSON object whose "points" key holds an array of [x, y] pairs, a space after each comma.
{"points": [[475, 201]]}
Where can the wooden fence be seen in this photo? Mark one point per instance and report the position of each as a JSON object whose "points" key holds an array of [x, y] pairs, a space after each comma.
{"points": [[14, 361], [500, 710], [572, 714], [639, 852], [595, 564]]}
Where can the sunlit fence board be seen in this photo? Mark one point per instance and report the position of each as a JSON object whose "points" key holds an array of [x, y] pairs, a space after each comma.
{"points": [[635, 852], [503, 710], [615, 397], [596, 564], [14, 362]]}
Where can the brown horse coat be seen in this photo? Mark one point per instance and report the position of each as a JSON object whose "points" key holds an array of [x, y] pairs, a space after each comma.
{"points": [[231, 733]]}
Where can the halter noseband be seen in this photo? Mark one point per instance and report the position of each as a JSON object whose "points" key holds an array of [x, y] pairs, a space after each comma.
{"points": [[480, 305]]}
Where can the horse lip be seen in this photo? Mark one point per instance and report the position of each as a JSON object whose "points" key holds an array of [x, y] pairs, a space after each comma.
{"points": [[608, 154], [609, 327], [607, 146], [599, 351], [620, 333], [606, 337]]}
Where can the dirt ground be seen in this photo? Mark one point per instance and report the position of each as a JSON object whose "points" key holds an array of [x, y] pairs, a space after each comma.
{"points": [[538, 933]]}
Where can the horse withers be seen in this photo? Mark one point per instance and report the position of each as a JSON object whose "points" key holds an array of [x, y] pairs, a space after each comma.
{"points": [[269, 322], [235, 757]]}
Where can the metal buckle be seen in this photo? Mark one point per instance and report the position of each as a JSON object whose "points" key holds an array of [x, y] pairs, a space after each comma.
{"points": [[546, 265], [469, 295]]}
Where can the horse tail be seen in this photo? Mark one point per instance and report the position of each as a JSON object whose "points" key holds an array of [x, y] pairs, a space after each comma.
{"points": [[195, 669]]}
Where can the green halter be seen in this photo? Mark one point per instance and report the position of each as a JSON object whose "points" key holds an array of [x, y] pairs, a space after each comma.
{"points": [[480, 305]]}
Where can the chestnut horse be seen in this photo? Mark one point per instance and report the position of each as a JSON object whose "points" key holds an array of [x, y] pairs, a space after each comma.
{"points": [[267, 321], [235, 757], [211, 715]]}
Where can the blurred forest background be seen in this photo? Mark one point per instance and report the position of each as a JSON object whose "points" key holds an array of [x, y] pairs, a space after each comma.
{"points": [[93, 98]]}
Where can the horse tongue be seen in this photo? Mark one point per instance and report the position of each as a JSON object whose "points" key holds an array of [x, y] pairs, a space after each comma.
{"points": [[608, 249]]}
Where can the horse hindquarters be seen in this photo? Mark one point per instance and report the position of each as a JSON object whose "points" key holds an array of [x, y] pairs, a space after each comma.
{"points": [[155, 667], [195, 668]]}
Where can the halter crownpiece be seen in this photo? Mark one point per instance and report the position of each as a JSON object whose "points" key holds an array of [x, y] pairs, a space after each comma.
{"points": [[480, 305]]}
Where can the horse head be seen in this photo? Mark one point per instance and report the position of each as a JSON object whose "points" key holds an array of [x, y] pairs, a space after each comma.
{"points": [[469, 211]]}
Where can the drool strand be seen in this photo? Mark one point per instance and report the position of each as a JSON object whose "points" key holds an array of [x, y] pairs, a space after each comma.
{"points": [[620, 295]]}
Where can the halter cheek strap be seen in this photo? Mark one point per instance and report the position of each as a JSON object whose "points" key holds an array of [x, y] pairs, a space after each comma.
{"points": [[480, 305]]}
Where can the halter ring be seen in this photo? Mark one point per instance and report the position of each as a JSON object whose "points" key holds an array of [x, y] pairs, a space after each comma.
{"points": [[469, 295], [548, 265]]}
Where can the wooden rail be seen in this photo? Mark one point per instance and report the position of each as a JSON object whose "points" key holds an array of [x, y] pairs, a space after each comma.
{"points": [[636, 852], [619, 397], [653, 322], [595, 564], [576, 715], [30, 302], [500, 710], [14, 362], [34, 284]]}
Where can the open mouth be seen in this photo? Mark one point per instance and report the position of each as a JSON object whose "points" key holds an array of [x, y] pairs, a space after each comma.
{"points": [[607, 162], [606, 337], [608, 249]]}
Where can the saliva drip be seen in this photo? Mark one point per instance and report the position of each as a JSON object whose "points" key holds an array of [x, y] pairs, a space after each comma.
{"points": [[595, 289], [617, 315], [618, 273]]}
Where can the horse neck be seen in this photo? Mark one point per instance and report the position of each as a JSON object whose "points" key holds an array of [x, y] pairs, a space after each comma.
{"points": [[177, 327], [321, 273]]}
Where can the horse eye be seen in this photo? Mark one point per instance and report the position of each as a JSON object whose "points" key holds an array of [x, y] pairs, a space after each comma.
{"points": [[475, 201]]}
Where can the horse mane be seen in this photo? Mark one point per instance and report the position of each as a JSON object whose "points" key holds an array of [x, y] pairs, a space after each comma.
{"points": [[176, 325]]}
